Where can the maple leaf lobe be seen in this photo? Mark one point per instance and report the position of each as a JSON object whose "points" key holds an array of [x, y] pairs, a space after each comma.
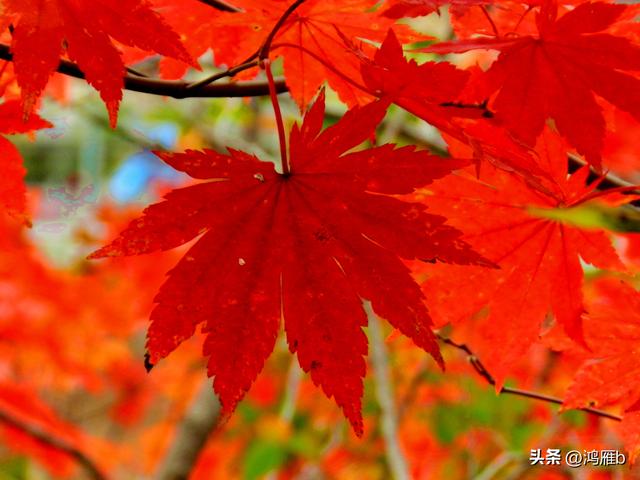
{"points": [[540, 257], [12, 189], [559, 74]]}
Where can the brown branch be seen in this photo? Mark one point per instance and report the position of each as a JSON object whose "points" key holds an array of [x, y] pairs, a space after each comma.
{"points": [[484, 373], [191, 437], [221, 5], [136, 82], [57, 443], [172, 88], [397, 463]]}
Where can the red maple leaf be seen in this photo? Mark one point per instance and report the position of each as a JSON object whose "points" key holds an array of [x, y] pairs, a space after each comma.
{"points": [[85, 31], [429, 91], [560, 73], [308, 245], [12, 191], [311, 40], [612, 332], [514, 226], [609, 374]]}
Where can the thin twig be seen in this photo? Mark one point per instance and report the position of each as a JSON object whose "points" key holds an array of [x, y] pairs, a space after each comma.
{"points": [[484, 373], [255, 58], [607, 181], [135, 72], [230, 72], [171, 88], [384, 393], [263, 53], [57, 443], [497, 464], [491, 22], [221, 5]]}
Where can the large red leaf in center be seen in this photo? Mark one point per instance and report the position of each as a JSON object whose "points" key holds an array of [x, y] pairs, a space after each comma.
{"points": [[307, 246]]}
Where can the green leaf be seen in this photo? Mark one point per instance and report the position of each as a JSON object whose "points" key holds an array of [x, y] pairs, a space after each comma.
{"points": [[15, 468], [622, 219], [262, 458]]}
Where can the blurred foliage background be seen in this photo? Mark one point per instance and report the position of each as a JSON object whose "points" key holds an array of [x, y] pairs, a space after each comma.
{"points": [[84, 323]]}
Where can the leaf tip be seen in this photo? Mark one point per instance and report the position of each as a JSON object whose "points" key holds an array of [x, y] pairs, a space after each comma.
{"points": [[100, 253], [148, 365], [358, 428]]}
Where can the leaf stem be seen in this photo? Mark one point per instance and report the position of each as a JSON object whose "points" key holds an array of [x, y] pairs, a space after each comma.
{"points": [[529, 8], [266, 64]]}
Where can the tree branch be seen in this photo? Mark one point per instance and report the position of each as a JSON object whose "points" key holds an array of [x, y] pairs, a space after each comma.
{"points": [[57, 443], [292, 387], [484, 373], [191, 437], [254, 59], [135, 82], [384, 393], [609, 180], [172, 88]]}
